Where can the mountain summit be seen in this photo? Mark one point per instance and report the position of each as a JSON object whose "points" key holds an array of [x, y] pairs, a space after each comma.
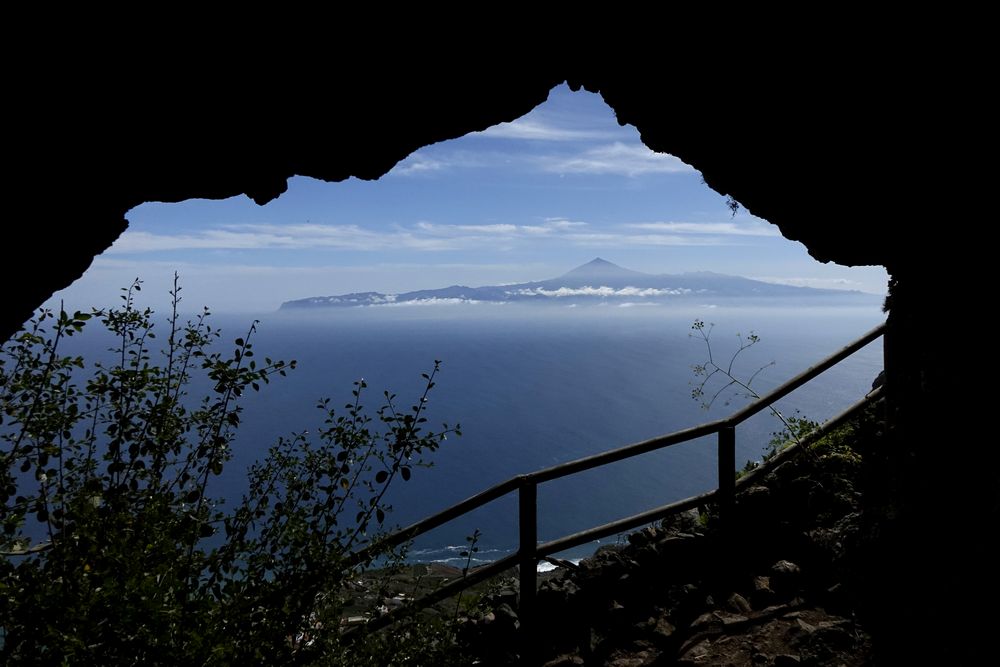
{"points": [[596, 281], [599, 269]]}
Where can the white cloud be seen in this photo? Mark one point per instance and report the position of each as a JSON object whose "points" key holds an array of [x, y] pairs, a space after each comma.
{"points": [[433, 301], [753, 229], [425, 162], [617, 239], [602, 291], [386, 277], [537, 130], [369, 299], [563, 223], [616, 158], [825, 283], [435, 237], [549, 226], [280, 237], [418, 163], [250, 288], [447, 230]]}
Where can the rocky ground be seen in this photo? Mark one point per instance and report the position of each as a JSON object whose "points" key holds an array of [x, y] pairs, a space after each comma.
{"points": [[780, 586], [379, 591], [764, 618]]}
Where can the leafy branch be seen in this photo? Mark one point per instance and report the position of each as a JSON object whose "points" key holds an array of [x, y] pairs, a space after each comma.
{"points": [[114, 465]]}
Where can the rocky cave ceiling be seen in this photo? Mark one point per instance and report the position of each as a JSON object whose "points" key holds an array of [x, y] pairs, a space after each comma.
{"points": [[823, 158]]}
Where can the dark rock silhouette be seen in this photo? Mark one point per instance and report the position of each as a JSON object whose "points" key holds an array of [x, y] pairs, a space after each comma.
{"points": [[865, 162]]}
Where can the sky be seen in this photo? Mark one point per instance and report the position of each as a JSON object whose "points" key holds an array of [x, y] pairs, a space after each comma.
{"points": [[522, 201]]}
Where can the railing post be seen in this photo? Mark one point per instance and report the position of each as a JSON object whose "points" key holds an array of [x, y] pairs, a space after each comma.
{"points": [[727, 476], [527, 502]]}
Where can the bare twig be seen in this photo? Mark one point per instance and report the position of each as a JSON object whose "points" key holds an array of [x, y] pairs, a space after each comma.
{"points": [[710, 368]]}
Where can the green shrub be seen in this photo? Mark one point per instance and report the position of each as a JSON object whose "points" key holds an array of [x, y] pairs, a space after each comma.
{"points": [[116, 466]]}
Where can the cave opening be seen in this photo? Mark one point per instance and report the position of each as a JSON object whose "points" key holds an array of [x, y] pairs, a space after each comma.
{"points": [[518, 204], [824, 157]]}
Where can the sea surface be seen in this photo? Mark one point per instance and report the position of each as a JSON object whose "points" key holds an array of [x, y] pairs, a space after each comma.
{"points": [[534, 386], [537, 386]]}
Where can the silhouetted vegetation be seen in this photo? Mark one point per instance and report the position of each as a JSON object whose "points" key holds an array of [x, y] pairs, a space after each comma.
{"points": [[115, 548]]}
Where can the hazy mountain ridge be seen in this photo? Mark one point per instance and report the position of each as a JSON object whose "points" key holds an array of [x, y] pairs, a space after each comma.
{"points": [[597, 280]]}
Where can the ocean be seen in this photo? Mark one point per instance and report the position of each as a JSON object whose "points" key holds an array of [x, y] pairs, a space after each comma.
{"points": [[537, 386]]}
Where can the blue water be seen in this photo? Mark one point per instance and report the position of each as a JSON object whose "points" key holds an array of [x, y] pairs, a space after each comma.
{"points": [[533, 387], [537, 386]]}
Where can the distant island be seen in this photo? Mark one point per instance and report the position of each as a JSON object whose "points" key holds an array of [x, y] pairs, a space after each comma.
{"points": [[596, 281]]}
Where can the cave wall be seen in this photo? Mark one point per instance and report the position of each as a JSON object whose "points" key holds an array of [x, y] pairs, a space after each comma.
{"points": [[823, 158], [832, 158]]}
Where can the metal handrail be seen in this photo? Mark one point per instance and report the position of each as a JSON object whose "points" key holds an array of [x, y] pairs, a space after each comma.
{"points": [[529, 551]]}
